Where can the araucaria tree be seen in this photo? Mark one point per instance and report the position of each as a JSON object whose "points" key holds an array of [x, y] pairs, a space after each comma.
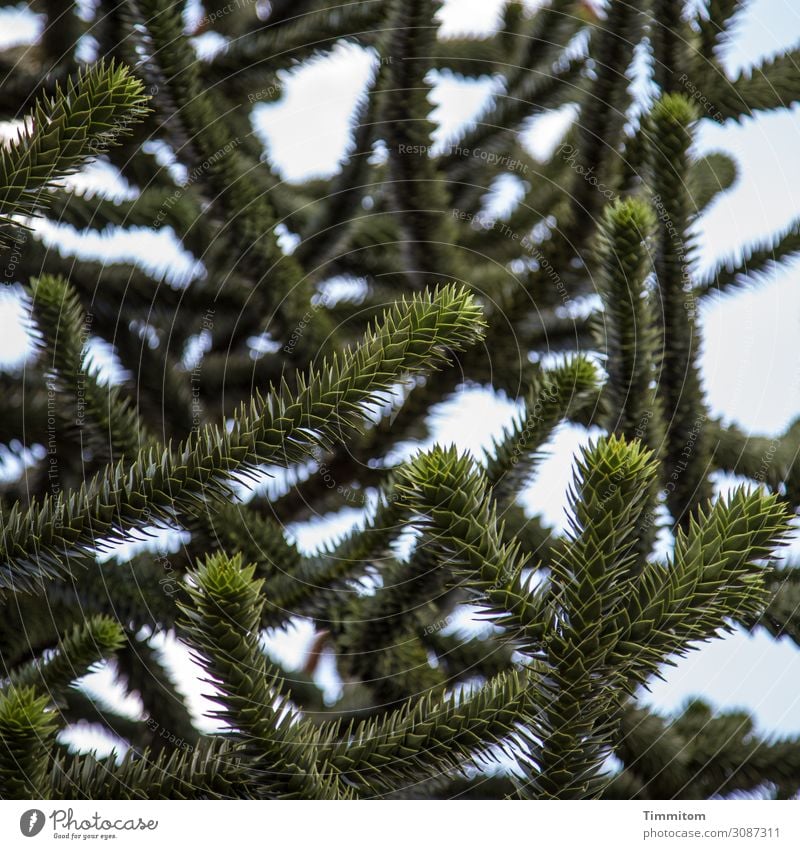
{"points": [[323, 323]]}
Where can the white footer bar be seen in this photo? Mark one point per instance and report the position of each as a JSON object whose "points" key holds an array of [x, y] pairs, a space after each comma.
{"points": [[401, 825]]}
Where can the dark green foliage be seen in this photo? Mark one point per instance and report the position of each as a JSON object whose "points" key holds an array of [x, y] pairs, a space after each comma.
{"points": [[603, 109], [449, 496], [632, 408], [628, 324], [66, 130], [281, 428], [771, 85], [112, 423], [433, 733], [74, 656], [757, 261], [710, 176], [262, 368], [592, 576], [141, 669], [27, 729], [417, 191], [555, 395], [212, 771], [782, 616], [680, 390], [221, 624], [668, 35], [699, 755]]}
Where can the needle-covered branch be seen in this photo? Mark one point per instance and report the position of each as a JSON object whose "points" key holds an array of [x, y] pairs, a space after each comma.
{"points": [[280, 428], [82, 120]]}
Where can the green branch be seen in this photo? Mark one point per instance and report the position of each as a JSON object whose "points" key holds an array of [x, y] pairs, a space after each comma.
{"points": [[63, 133], [280, 428]]}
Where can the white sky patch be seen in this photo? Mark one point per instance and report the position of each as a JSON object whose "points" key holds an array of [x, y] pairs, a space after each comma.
{"points": [[102, 684], [547, 495], [18, 25], [188, 676], [100, 177], [308, 130], [470, 17], [764, 28], [470, 421], [153, 250], [158, 539], [546, 131], [504, 195], [458, 102], [291, 644], [749, 356], [311, 536], [91, 737], [750, 671], [15, 344], [764, 198]]}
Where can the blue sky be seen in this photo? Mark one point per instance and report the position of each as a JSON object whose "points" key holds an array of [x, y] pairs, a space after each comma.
{"points": [[750, 358]]}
